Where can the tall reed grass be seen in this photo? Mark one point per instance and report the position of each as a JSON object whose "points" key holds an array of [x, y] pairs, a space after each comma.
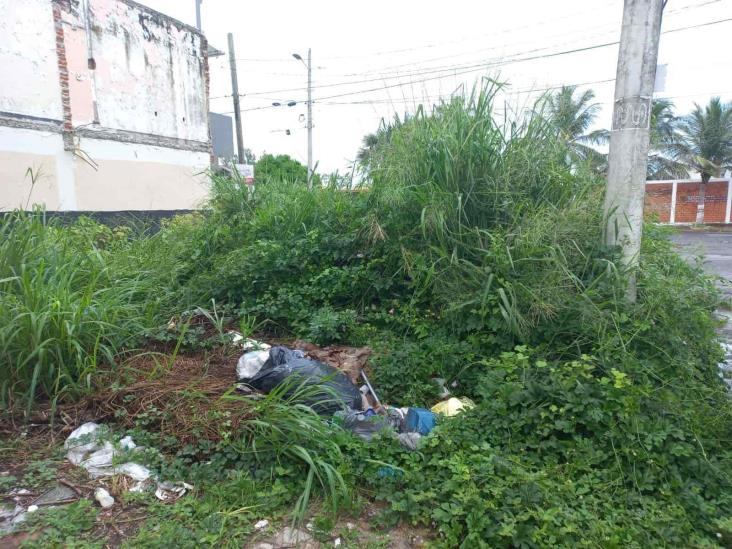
{"points": [[64, 307]]}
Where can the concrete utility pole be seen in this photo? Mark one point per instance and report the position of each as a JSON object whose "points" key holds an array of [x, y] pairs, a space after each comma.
{"points": [[310, 121], [628, 157], [198, 14], [235, 95]]}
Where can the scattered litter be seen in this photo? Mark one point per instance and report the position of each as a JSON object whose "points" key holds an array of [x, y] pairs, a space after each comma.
{"points": [[350, 526], [365, 424], [19, 492], [409, 440], [389, 472], [10, 517], [371, 389], [246, 343], [126, 443], [171, 491], [54, 496], [103, 497], [32, 509], [284, 363], [419, 420], [77, 449], [139, 486], [453, 406], [135, 471], [261, 524], [337, 542], [442, 386], [86, 450]]}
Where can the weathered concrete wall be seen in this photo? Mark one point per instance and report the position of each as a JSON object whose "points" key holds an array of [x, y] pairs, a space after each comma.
{"points": [[29, 84], [133, 69], [107, 102], [21, 150], [133, 177]]}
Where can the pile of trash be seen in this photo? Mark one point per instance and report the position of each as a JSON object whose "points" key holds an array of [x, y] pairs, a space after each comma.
{"points": [[359, 410], [260, 369]]}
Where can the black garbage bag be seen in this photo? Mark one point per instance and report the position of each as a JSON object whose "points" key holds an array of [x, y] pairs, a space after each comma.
{"points": [[284, 363]]}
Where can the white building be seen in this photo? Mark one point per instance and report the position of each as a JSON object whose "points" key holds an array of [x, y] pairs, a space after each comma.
{"points": [[103, 107]]}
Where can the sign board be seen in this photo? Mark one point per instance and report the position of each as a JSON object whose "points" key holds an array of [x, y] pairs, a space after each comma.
{"points": [[222, 135], [246, 171]]}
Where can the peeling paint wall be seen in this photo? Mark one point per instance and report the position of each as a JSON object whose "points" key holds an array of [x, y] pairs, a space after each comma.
{"points": [[108, 100], [149, 75], [29, 85]]}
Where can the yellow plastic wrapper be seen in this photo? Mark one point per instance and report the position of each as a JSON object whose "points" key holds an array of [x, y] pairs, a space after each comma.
{"points": [[453, 406]]}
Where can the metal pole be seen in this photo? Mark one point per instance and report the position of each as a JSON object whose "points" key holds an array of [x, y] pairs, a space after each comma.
{"points": [[310, 122], [198, 14], [628, 157], [235, 94]]}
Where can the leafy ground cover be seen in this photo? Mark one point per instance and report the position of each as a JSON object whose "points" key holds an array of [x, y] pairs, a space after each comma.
{"points": [[476, 255]]}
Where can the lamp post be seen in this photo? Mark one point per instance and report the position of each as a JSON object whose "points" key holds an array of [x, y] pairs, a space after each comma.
{"points": [[308, 65]]}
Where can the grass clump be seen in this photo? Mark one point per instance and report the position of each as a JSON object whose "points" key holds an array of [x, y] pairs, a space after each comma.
{"points": [[67, 305]]}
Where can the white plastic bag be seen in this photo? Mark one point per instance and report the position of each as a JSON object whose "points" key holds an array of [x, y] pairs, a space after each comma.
{"points": [[250, 363]]}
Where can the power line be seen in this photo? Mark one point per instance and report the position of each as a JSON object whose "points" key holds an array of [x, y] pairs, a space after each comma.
{"points": [[452, 70], [477, 67], [513, 29], [446, 96], [465, 69]]}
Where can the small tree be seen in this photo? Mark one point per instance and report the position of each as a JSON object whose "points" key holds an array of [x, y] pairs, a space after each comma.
{"points": [[705, 144], [282, 168]]}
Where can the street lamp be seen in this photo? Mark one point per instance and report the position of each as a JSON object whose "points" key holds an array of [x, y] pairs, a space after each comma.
{"points": [[308, 65]]}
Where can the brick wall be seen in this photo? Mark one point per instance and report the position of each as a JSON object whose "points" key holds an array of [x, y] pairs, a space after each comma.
{"points": [[63, 75], [658, 202], [715, 202], [686, 202], [659, 199]]}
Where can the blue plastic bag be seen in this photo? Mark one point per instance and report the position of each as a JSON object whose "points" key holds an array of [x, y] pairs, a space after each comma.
{"points": [[420, 420]]}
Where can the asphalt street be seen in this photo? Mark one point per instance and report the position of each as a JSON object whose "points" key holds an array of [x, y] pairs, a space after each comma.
{"points": [[715, 247]]}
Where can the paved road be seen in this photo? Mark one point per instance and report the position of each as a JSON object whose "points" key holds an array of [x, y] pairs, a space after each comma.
{"points": [[716, 247]]}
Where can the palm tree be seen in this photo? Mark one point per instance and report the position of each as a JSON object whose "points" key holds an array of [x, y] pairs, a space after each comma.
{"points": [[573, 116], [705, 144], [368, 146], [664, 137]]}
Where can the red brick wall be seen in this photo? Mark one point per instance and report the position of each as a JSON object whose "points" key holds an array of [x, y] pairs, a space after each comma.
{"points": [[658, 202], [687, 196], [715, 202], [63, 73]]}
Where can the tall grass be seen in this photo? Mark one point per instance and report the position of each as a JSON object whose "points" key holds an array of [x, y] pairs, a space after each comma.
{"points": [[64, 307], [493, 209]]}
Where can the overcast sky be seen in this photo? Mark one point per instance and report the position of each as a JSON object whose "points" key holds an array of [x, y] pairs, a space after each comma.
{"points": [[374, 59]]}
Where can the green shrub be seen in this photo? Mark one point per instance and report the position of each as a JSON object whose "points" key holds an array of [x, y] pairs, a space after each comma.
{"points": [[569, 454]]}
